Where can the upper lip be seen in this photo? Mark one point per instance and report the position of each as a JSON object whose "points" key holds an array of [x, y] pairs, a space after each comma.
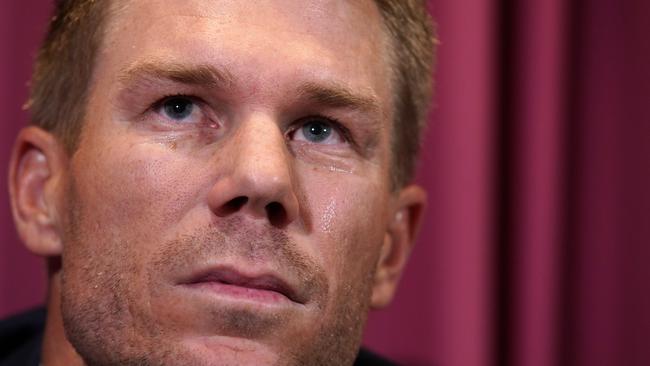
{"points": [[261, 281]]}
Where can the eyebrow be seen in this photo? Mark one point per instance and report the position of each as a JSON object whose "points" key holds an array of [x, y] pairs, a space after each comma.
{"points": [[335, 95], [328, 94], [199, 75]]}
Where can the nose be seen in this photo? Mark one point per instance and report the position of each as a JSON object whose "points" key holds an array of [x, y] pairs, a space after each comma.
{"points": [[257, 179]]}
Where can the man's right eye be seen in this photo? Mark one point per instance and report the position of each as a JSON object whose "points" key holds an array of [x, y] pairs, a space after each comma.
{"points": [[180, 109]]}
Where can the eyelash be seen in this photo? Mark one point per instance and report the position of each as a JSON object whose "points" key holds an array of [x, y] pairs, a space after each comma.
{"points": [[335, 123]]}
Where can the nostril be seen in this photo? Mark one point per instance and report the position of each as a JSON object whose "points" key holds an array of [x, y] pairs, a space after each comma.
{"points": [[233, 205], [276, 213]]}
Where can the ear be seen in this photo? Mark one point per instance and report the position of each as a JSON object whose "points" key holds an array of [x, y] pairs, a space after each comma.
{"points": [[36, 177], [397, 245]]}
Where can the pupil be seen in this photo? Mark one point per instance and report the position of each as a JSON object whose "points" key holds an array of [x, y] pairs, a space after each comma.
{"points": [[178, 108], [316, 131]]}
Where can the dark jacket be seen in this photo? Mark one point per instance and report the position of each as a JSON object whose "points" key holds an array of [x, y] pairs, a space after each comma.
{"points": [[21, 337]]}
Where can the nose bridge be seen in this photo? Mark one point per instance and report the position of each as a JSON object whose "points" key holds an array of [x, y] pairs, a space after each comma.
{"points": [[260, 153]]}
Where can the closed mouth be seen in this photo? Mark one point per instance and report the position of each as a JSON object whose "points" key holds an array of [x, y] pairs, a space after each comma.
{"points": [[267, 287]]}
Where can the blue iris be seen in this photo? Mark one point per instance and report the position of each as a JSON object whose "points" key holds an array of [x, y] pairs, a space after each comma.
{"points": [[316, 131], [178, 108]]}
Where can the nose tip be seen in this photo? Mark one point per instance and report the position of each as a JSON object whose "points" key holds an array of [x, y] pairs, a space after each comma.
{"points": [[278, 206], [258, 180]]}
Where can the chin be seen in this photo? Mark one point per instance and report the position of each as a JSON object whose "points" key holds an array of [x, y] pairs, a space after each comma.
{"points": [[222, 350]]}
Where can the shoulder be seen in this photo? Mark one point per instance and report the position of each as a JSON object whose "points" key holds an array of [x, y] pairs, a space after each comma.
{"points": [[367, 358], [20, 338]]}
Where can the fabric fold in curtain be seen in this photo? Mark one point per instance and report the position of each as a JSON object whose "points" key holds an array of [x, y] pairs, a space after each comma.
{"points": [[538, 163]]}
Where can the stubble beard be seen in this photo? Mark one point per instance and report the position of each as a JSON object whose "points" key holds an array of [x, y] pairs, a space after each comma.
{"points": [[103, 325]]}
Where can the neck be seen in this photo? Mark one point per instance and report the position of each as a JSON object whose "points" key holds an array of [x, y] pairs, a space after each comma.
{"points": [[57, 350]]}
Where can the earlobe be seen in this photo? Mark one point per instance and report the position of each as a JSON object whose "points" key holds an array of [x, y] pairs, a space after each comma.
{"points": [[35, 183], [398, 242]]}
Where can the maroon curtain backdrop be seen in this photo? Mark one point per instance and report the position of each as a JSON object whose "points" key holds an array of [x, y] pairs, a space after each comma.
{"points": [[536, 247], [22, 26]]}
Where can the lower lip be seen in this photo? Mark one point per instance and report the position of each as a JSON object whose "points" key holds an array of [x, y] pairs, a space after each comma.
{"points": [[241, 293]]}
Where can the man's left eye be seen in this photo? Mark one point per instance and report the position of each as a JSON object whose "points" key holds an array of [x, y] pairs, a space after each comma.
{"points": [[319, 131]]}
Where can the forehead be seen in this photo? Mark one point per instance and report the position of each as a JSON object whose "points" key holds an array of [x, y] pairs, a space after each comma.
{"points": [[273, 41]]}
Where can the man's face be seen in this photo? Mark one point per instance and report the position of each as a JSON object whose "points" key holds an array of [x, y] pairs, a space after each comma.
{"points": [[230, 194]]}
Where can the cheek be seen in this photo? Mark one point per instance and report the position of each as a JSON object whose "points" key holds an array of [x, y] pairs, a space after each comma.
{"points": [[349, 217], [139, 189], [126, 201]]}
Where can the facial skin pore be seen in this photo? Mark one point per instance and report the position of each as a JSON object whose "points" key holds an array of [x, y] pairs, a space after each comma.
{"points": [[230, 200]]}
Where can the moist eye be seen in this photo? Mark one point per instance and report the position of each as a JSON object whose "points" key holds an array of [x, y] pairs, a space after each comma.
{"points": [[178, 108], [316, 131]]}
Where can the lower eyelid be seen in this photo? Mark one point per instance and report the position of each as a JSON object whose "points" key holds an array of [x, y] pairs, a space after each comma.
{"points": [[325, 153]]}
